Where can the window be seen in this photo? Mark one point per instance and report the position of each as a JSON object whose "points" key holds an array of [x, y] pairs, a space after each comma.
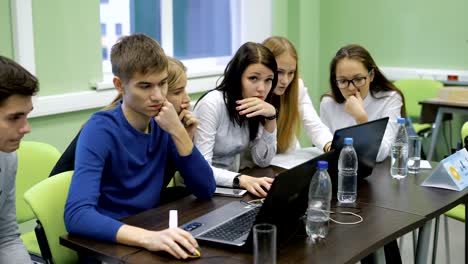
{"points": [[112, 13], [103, 29], [118, 29], [202, 28], [105, 53], [202, 33]]}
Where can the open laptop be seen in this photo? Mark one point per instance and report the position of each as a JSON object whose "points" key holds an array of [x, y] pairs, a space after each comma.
{"points": [[367, 138], [287, 199], [284, 207]]}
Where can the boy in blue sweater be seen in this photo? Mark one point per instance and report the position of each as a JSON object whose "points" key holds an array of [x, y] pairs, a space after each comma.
{"points": [[122, 153]]}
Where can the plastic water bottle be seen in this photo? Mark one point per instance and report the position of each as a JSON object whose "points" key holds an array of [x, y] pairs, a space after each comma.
{"points": [[347, 173], [399, 168], [320, 192]]}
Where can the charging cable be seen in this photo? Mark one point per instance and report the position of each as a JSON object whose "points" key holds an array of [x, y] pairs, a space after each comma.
{"points": [[259, 202], [360, 219]]}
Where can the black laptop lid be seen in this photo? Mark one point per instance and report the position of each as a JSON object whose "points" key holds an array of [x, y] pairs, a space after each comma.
{"points": [[367, 138], [287, 200]]}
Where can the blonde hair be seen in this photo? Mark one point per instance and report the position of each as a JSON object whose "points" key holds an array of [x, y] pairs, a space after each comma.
{"points": [[289, 121], [175, 73]]}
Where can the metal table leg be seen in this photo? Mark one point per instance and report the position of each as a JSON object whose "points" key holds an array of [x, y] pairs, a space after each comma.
{"points": [[435, 133], [424, 238]]}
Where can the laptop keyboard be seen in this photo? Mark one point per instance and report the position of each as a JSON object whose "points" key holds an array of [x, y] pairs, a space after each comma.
{"points": [[234, 228]]}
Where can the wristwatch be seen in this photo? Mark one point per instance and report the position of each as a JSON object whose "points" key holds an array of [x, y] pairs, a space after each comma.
{"points": [[236, 182], [275, 116]]}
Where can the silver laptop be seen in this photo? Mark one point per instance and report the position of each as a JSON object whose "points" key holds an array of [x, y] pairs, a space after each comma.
{"points": [[229, 224]]}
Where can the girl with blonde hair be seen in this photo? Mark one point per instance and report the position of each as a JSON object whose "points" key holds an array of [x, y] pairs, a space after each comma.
{"points": [[291, 99]]}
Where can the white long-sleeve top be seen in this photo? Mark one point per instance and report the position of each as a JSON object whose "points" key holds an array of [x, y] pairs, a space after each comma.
{"points": [[226, 145], [316, 130], [382, 105]]}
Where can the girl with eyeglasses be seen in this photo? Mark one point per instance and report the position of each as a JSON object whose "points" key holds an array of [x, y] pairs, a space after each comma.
{"points": [[361, 93]]}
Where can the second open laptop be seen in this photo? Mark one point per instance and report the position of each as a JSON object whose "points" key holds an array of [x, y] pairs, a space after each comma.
{"points": [[284, 207], [367, 138]]}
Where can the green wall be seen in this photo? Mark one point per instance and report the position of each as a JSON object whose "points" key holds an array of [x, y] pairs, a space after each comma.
{"points": [[397, 33], [6, 39], [58, 130], [418, 33], [67, 44]]}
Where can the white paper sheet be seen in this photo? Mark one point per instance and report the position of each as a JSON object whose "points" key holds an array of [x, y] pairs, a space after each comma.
{"points": [[294, 158], [425, 165]]}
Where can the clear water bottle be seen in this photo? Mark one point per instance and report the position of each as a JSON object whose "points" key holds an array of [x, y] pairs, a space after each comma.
{"points": [[399, 168], [320, 192], [347, 173]]}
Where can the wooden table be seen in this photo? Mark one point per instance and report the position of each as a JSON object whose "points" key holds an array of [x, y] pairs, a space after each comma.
{"points": [[344, 244], [390, 209], [408, 195]]}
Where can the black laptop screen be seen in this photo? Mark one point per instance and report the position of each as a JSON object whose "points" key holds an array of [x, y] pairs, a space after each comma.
{"points": [[367, 138], [287, 199]]}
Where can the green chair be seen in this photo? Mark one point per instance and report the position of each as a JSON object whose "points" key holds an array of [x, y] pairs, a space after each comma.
{"points": [[47, 201], [416, 90], [35, 161], [464, 134]]}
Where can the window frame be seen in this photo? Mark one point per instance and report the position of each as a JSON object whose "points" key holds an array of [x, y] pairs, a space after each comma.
{"points": [[23, 34], [245, 15]]}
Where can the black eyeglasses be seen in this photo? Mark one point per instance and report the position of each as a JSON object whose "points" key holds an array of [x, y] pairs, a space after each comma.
{"points": [[358, 82]]}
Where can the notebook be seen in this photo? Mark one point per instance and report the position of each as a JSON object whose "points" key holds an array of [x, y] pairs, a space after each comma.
{"points": [[284, 207]]}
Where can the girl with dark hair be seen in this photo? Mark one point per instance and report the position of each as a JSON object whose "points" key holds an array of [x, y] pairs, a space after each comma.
{"points": [[237, 126], [361, 93]]}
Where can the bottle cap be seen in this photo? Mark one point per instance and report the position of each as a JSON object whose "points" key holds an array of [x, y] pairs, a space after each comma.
{"points": [[401, 120], [348, 141], [321, 164]]}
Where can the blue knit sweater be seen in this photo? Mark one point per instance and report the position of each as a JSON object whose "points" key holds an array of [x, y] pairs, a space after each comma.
{"points": [[119, 172]]}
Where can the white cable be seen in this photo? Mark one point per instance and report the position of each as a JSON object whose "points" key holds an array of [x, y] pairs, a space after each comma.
{"points": [[342, 223], [259, 202]]}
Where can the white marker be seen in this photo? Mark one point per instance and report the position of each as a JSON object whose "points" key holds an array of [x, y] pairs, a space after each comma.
{"points": [[173, 219]]}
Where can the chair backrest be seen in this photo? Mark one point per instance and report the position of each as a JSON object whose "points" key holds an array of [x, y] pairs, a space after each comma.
{"points": [[47, 200], [35, 161], [416, 90], [464, 134]]}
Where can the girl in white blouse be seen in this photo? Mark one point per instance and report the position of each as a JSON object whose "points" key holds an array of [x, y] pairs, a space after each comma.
{"points": [[237, 127], [361, 93], [292, 101]]}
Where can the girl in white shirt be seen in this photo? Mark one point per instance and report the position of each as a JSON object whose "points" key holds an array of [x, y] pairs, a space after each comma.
{"points": [[292, 101], [361, 93], [237, 127]]}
